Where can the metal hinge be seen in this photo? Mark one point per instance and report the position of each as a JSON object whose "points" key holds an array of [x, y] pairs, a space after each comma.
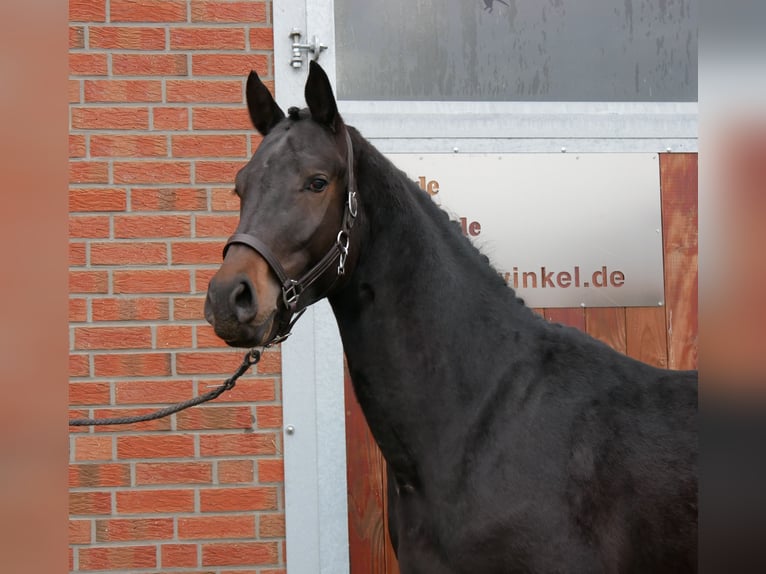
{"points": [[315, 48]]}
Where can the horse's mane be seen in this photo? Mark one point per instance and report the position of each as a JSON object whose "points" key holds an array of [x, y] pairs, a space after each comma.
{"points": [[400, 189]]}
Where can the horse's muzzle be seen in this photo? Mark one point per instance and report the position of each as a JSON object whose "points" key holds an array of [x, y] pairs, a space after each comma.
{"points": [[231, 307]]}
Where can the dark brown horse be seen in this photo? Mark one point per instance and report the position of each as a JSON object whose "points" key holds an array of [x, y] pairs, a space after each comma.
{"points": [[513, 445]]}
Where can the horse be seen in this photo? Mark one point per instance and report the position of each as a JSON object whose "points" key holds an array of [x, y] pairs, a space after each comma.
{"points": [[512, 444]]}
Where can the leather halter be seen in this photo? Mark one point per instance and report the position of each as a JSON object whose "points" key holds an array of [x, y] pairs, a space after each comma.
{"points": [[292, 289]]}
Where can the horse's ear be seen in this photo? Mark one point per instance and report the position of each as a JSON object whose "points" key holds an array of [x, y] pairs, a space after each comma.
{"points": [[264, 111], [320, 98]]}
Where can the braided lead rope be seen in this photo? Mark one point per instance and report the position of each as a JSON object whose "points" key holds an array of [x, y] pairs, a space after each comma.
{"points": [[251, 358]]}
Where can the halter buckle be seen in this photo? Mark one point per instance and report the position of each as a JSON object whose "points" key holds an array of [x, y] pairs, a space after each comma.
{"points": [[352, 204], [291, 292]]}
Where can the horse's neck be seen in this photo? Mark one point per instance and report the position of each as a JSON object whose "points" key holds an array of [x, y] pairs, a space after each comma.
{"points": [[414, 318]]}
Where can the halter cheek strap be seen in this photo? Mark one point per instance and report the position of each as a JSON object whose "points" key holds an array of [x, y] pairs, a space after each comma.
{"points": [[293, 289]]}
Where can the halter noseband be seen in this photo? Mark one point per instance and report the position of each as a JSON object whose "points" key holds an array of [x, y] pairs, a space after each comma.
{"points": [[293, 289]]}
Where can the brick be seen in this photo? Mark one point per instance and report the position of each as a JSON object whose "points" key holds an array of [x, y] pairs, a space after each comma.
{"points": [[271, 470], [261, 38], [173, 473], [224, 199], [89, 393], [202, 279], [92, 448], [152, 281], [79, 532], [206, 338], [237, 499], [99, 475], [174, 337], [138, 309], [128, 146], [79, 366], [213, 91], [77, 254], [188, 308], [209, 146], [147, 11], [238, 65], [268, 416], [247, 391], [145, 226], [155, 501], [235, 471], [91, 199], [225, 11], [207, 38], [76, 145], [271, 363], [208, 362], [118, 557], [88, 282], [168, 199], [87, 10], [219, 226], [132, 365], [155, 446], [217, 171], [152, 172], [110, 118], [88, 227], [88, 338], [74, 91], [215, 418], [271, 526], [120, 253], [134, 529], [195, 252], [152, 392], [84, 64], [88, 172], [244, 553], [161, 424], [126, 38], [90, 503], [179, 555], [149, 64], [206, 527], [170, 118], [223, 118], [78, 310], [238, 444], [123, 91]]}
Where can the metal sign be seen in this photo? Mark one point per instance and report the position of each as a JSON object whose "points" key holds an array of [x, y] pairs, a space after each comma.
{"points": [[563, 230]]}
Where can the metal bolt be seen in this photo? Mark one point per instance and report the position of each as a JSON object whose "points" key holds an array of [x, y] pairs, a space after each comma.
{"points": [[660, 303], [455, 150], [582, 305], [290, 429], [563, 150]]}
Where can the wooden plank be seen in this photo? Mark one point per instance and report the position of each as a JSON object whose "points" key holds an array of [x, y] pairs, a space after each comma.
{"points": [[572, 316], [607, 324], [678, 184], [365, 469], [646, 337], [392, 564]]}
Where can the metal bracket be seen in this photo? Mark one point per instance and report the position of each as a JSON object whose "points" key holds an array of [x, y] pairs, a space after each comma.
{"points": [[297, 48]]}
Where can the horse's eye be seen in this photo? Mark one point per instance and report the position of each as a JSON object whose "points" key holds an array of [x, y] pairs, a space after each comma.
{"points": [[318, 184]]}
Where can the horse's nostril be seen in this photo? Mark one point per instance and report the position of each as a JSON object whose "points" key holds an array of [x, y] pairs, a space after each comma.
{"points": [[243, 302]]}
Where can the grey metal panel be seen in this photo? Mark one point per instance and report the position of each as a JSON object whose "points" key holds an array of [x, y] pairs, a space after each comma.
{"points": [[589, 50], [316, 513], [315, 446]]}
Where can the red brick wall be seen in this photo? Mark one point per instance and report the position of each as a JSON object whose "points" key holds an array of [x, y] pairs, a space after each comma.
{"points": [[158, 128]]}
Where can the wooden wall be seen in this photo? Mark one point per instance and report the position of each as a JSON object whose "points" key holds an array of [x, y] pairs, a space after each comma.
{"points": [[663, 336]]}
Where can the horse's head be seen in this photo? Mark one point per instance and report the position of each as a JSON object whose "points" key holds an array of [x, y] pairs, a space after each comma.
{"points": [[296, 208]]}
